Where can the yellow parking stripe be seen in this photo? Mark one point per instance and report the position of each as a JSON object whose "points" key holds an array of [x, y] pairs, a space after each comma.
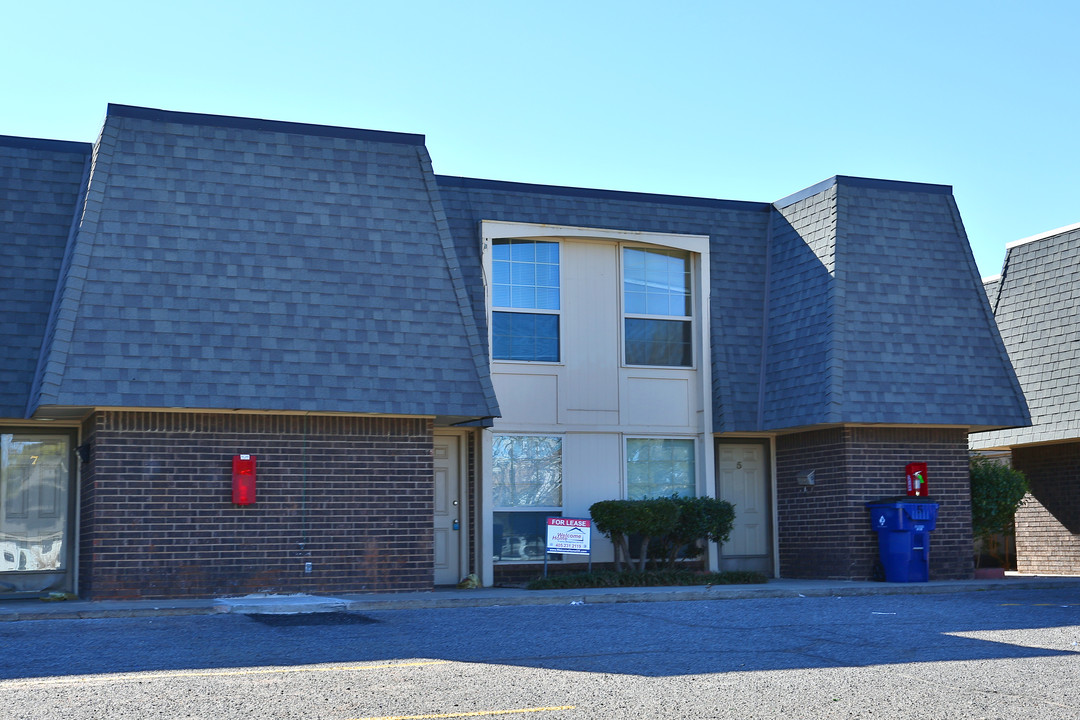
{"points": [[209, 673], [477, 713]]}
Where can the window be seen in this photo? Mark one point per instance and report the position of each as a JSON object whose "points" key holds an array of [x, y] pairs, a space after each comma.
{"points": [[657, 307], [34, 495], [525, 300], [659, 467], [527, 489]]}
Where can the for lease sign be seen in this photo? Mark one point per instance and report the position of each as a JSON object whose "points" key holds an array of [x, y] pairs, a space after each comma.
{"points": [[569, 535]]}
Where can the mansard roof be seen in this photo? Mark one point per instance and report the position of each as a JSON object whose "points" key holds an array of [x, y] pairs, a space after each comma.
{"points": [[877, 314], [214, 262], [232, 263]]}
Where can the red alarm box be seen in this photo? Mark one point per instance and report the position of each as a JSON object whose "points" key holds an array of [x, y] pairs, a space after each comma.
{"points": [[243, 479], [916, 480]]}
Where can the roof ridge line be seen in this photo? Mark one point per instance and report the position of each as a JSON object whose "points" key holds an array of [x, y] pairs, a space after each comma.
{"points": [[469, 183], [48, 334], [1042, 236], [836, 354], [72, 281], [249, 123], [457, 279], [988, 311], [71, 146]]}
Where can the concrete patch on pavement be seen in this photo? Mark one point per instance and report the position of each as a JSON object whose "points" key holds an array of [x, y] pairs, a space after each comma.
{"points": [[280, 604]]}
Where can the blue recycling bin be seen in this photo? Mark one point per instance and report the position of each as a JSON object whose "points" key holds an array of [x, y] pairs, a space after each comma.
{"points": [[903, 526]]}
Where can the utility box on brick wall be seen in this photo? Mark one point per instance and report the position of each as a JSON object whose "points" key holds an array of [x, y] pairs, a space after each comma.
{"points": [[243, 479]]}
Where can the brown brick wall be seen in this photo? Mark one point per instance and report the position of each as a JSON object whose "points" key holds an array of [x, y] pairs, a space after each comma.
{"points": [[825, 529], [351, 495], [1048, 523]]}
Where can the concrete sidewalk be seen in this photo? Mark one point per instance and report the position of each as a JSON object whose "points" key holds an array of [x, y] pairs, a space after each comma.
{"points": [[11, 610]]}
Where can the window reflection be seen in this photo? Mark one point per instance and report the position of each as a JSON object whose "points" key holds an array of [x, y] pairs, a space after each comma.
{"points": [[33, 502]]}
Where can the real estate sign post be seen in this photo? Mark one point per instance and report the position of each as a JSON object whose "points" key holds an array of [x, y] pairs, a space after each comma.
{"points": [[569, 536]]}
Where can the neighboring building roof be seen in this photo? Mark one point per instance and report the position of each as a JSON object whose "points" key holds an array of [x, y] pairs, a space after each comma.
{"points": [[232, 263], [991, 285], [1037, 306], [39, 190], [876, 314]]}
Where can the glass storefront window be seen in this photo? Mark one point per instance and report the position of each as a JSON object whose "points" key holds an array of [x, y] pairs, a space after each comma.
{"points": [[527, 471], [527, 489], [522, 536], [34, 481]]}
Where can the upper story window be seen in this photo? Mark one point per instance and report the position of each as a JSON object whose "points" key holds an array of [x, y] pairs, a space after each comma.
{"points": [[658, 307], [525, 300]]}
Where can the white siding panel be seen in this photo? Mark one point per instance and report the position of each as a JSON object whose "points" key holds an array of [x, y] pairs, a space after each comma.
{"points": [[592, 471], [591, 332], [532, 399], [652, 401]]}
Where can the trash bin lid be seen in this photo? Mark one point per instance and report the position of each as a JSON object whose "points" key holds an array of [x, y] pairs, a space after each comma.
{"points": [[893, 501]]}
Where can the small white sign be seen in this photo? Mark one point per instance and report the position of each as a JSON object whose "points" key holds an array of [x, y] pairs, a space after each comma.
{"points": [[572, 536]]}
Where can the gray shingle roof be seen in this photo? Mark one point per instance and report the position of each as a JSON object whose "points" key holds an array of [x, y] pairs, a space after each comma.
{"points": [[853, 335], [256, 265], [1037, 309], [991, 286], [231, 263], [800, 378], [39, 189], [877, 314]]}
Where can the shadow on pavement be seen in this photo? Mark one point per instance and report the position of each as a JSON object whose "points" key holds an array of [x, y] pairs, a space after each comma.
{"points": [[645, 639]]}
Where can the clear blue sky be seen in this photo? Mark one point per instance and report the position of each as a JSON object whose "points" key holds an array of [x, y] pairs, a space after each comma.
{"points": [[749, 100]]}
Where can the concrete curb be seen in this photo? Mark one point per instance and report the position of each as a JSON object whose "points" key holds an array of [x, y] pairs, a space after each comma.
{"points": [[15, 610]]}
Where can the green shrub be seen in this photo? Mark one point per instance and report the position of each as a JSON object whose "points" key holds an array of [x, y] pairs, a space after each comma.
{"points": [[669, 525], [619, 519], [700, 518], [997, 490]]}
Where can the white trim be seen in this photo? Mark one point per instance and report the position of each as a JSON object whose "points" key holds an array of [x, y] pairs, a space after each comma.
{"points": [[991, 278], [1042, 236], [484, 520], [498, 229]]}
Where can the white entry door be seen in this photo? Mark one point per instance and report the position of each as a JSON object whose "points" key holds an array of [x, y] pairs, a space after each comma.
{"points": [[742, 478], [450, 518]]}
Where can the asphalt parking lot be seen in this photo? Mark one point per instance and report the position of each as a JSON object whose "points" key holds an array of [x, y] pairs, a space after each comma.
{"points": [[1005, 653]]}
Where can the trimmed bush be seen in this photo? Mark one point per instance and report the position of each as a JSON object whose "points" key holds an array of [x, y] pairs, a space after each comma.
{"points": [[670, 525]]}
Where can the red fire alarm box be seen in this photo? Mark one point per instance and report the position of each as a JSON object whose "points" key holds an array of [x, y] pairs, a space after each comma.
{"points": [[916, 480], [243, 479]]}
